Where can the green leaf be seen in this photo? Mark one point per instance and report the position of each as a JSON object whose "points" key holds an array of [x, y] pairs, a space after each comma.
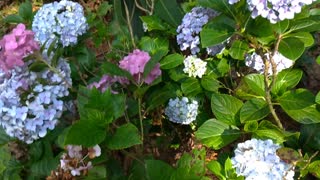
{"points": [[314, 168], [281, 26], [112, 69], [255, 83], [308, 115], [261, 28], [220, 5], [25, 11], [37, 66], [296, 100], [84, 56], [318, 60], [216, 169], [44, 166], [13, 18], [304, 37], [226, 108], [305, 25], [254, 110], [318, 98], [160, 95], [169, 11], [104, 8], [171, 61], [217, 134], [212, 36], [154, 23], [286, 79], [250, 126], [159, 170], [210, 83], [152, 45], [191, 87], [238, 49], [310, 136], [4, 138], [5, 156], [126, 136], [85, 132], [97, 173], [267, 130], [291, 47]]}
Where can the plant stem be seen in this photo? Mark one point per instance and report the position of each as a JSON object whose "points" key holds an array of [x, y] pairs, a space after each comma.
{"points": [[268, 87], [129, 23], [140, 118]]}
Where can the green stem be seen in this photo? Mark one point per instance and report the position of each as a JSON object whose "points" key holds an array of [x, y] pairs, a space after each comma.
{"points": [[140, 118]]}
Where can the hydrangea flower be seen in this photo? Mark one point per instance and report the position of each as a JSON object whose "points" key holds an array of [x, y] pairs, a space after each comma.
{"points": [[257, 159], [275, 10], [105, 83], [62, 20], [194, 66], [191, 26], [182, 111], [74, 162], [30, 102], [15, 46], [255, 61], [135, 63]]}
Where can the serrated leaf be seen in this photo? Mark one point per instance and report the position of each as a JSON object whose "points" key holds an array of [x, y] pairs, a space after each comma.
{"points": [[254, 110], [152, 45], [250, 126], [238, 49], [314, 168], [210, 37], [153, 61], [292, 48], [210, 83], [154, 23], [112, 69], [217, 134], [310, 136], [104, 8], [281, 26], [267, 130], [125, 136], [86, 133], [97, 173], [44, 167], [286, 79], [226, 108], [25, 10], [216, 169], [160, 96], [295, 100], [305, 25], [171, 61], [255, 83], [191, 87], [13, 18]]}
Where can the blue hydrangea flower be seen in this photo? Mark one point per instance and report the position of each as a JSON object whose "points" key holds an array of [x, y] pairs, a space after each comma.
{"points": [[182, 111], [62, 20], [30, 102], [257, 159], [191, 26], [275, 10]]}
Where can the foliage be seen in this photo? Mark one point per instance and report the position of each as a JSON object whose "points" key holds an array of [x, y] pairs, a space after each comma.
{"points": [[111, 106]]}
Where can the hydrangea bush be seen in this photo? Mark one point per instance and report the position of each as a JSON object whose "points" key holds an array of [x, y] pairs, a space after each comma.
{"points": [[197, 89]]}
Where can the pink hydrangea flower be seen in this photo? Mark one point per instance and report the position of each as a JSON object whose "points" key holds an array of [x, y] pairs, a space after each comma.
{"points": [[105, 83], [15, 46], [135, 63]]}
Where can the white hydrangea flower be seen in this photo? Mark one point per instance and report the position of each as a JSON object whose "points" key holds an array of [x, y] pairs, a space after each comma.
{"points": [[194, 66], [255, 61], [257, 159], [182, 111]]}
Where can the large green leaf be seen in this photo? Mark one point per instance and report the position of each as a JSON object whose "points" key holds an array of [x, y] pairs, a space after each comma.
{"points": [[4, 138], [85, 132], [159, 170], [25, 11], [153, 61], [4, 157], [305, 25], [253, 110], [154, 23], [238, 49], [160, 95], [219, 5], [300, 106], [281, 26], [216, 168], [226, 108], [318, 98], [115, 70], [255, 83], [169, 11], [286, 79], [152, 45], [291, 47], [305, 37], [217, 134], [310, 136], [125, 136], [191, 87], [171, 61], [210, 83]]}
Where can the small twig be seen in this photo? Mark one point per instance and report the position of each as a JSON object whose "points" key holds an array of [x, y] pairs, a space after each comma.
{"points": [[129, 24]]}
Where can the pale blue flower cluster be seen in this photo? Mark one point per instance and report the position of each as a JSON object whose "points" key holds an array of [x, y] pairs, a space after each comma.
{"points": [[62, 20], [182, 111], [30, 102], [275, 10], [257, 159], [188, 31], [255, 61]]}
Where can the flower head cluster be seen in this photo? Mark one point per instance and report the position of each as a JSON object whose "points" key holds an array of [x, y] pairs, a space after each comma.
{"points": [[188, 31], [62, 20], [74, 163], [30, 102], [194, 66], [135, 63], [275, 10], [15, 46], [182, 111], [255, 61], [257, 159], [105, 83]]}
